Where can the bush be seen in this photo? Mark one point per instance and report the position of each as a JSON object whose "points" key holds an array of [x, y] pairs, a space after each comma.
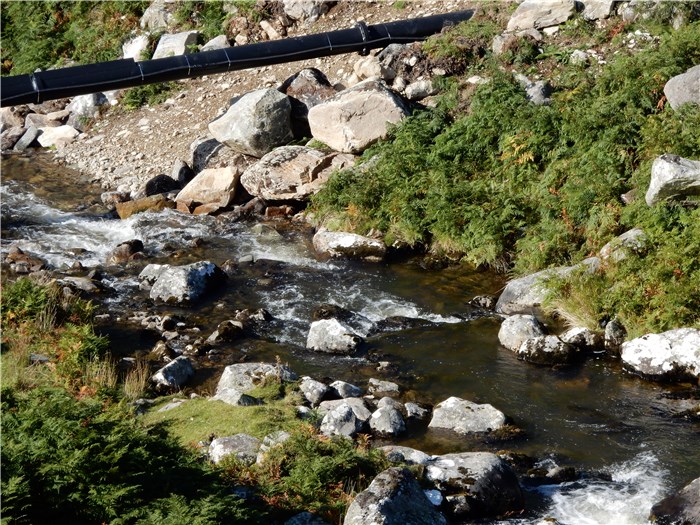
{"points": [[79, 461]]}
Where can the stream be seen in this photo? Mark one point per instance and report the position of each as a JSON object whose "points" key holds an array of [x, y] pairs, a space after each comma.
{"points": [[593, 416]]}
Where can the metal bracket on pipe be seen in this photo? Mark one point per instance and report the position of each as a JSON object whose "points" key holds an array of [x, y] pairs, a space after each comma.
{"points": [[365, 36]]}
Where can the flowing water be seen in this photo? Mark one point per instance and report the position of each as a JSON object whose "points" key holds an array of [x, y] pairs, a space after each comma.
{"points": [[594, 417]]}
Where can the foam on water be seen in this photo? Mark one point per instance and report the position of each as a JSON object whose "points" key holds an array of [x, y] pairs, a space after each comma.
{"points": [[626, 500]]}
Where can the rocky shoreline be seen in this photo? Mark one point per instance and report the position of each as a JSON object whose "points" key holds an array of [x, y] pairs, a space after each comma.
{"points": [[240, 164]]}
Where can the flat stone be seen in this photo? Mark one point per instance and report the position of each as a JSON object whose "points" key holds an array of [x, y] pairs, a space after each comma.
{"points": [[465, 417]]}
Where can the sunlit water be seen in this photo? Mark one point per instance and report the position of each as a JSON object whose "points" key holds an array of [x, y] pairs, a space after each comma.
{"points": [[594, 417]]}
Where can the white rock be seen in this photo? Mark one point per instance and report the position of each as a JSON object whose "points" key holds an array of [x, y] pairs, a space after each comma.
{"points": [[684, 88], [673, 176], [350, 245], [57, 136], [539, 14], [215, 186], [176, 44], [518, 328], [465, 417], [675, 353], [330, 335]]}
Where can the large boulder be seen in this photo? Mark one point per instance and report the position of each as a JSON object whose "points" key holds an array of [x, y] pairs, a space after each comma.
{"points": [[673, 177], [670, 355], [57, 136], [547, 350], [216, 186], [292, 173], [357, 117], [306, 89], [243, 446], [518, 328], [176, 44], [244, 377], [538, 14], [684, 89], [349, 245], [393, 498], [465, 417], [330, 335], [182, 284], [681, 508], [475, 484], [174, 375], [525, 294], [256, 123]]}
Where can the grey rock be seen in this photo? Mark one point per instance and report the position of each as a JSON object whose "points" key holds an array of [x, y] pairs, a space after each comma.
{"points": [[357, 117], [674, 354], [387, 421], [420, 89], [292, 173], [135, 47], [525, 294], [476, 484], [465, 417], [246, 376], [125, 251], [341, 421], [84, 108], [243, 446], [314, 391], [538, 14], [234, 397], [270, 441], [10, 136], [407, 455], [332, 336], [673, 177], [348, 245], [377, 386], [537, 92], [181, 172], [184, 284], [547, 350], [393, 498], [583, 339], [518, 328], [218, 42], [256, 123], [39, 120], [344, 390], [157, 16], [27, 140], [227, 330], [682, 507], [174, 375], [212, 186], [57, 136], [306, 11], [371, 67], [684, 88], [597, 9], [632, 241], [12, 117], [110, 199], [416, 412], [358, 406], [615, 335], [176, 44]]}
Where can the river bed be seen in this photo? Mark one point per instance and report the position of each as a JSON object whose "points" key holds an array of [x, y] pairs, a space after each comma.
{"points": [[594, 417]]}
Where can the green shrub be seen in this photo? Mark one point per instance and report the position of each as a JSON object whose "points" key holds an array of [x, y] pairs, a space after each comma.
{"points": [[310, 472], [151, 94], [81, 461]]}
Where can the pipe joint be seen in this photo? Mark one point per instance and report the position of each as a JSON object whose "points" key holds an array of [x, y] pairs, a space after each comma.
{"points": [[364, 33]]}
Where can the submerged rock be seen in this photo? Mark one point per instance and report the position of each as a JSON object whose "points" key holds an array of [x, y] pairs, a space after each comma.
{"points": [[547, 350], [393, 498], [350, 245]]}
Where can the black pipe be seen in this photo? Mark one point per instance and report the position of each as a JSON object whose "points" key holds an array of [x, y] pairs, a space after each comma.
{"points": [[119, 74]]}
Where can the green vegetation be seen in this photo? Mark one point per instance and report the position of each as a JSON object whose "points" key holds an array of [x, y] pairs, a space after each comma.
{"points": [[497, 181], [73, 451], [44, 34]]}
